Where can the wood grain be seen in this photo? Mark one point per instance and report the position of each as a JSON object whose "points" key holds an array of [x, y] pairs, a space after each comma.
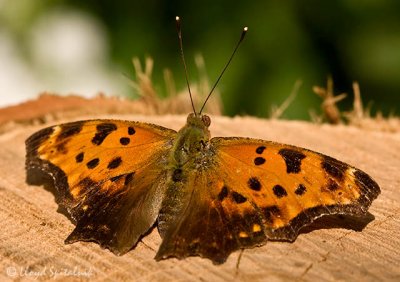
{"points": [[332, 249]]}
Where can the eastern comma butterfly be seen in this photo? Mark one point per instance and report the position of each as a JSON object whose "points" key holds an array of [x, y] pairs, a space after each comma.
{"points": [[208, 197]]}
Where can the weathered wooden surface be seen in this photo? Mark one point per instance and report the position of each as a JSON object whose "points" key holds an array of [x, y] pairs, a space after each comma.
{"points": [[334, 249]]}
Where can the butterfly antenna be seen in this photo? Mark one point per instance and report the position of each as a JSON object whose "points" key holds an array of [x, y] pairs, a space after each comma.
{"points": [[226, 66], [178, 27]]}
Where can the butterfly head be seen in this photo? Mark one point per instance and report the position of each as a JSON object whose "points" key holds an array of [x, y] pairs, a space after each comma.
{"points": [[198, 120], [196, 129]]}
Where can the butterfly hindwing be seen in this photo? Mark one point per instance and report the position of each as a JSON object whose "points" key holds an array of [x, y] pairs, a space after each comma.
{"points": [[110, 176], [211, 224], [256, 190]]}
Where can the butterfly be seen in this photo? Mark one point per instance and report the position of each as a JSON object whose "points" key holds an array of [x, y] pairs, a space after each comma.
{"points": [[207, 196]]}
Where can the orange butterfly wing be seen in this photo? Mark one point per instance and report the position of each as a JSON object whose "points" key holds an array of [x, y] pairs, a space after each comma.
{"points": [[110, 176], [257, 190]]}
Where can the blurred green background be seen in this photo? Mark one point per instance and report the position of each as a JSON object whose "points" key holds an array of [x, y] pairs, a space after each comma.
{"points": [[87, 46]]}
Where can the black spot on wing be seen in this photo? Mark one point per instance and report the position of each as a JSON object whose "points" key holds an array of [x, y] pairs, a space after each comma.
{"points": [[279, 191], [93, 163], [116, 178], [259, 161], [254, 184], [60, 147], [238, 198], [114, 163], [124, 141], [332, 185], [129, 178], [334, 168], [103, 130], [223, 193], [260, 150], [131, 130], [69, 129], [292, 159], [300, 190], [79, 157]]}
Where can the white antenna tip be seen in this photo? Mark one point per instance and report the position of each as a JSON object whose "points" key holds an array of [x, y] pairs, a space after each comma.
{"points": [[245, 28], [177, 18]]}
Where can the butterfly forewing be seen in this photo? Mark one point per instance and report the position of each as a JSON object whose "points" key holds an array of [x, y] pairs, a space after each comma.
{"points": [[110, 175]]}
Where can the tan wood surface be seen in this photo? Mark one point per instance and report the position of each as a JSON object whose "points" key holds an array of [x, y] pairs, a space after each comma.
{"points": [[332, 249]]}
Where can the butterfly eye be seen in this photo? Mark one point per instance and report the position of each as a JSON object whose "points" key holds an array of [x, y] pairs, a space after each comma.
{"points": [[206, 120]]}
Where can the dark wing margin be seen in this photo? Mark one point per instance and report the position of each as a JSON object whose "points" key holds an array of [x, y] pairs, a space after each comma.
{"points": [[117, 221], [370, 191], [36, 166]]}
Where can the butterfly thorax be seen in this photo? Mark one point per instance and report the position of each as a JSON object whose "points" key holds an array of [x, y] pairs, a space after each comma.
{"points": [[192, 140]]}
